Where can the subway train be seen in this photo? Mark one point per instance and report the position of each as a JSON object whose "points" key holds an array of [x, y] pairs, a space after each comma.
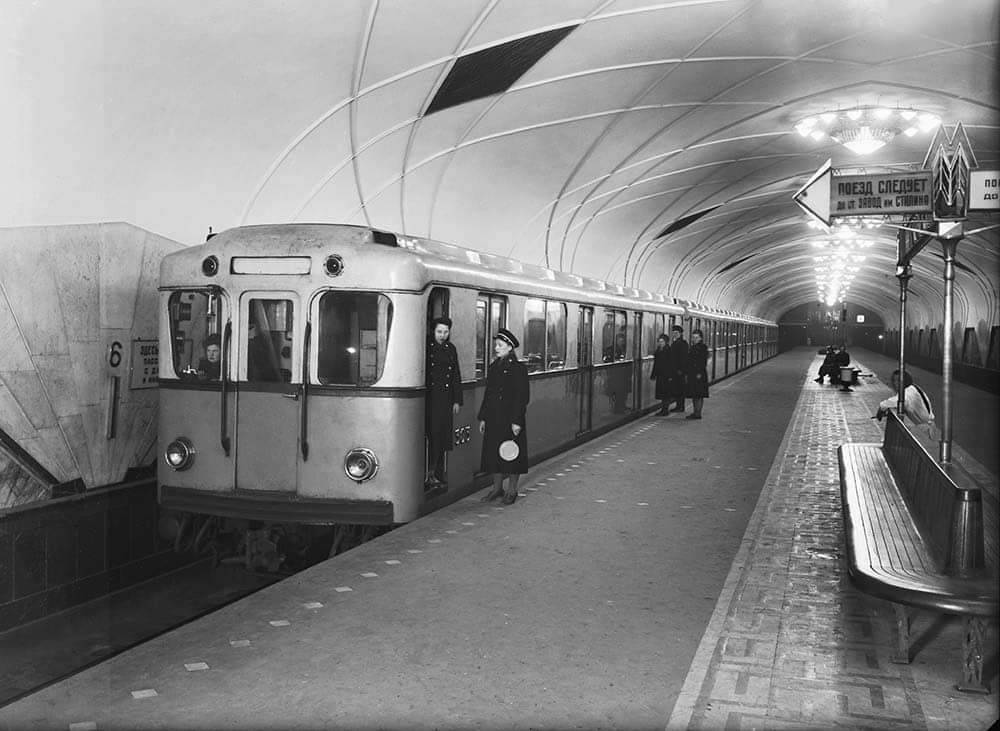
{"points": [[291, 370]]}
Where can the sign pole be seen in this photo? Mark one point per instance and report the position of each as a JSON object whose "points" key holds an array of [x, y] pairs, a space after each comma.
{"points": [[903, 273], [950, 245]]}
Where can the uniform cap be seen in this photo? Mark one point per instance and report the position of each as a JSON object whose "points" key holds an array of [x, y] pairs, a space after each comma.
{"points": [[507, 336]]}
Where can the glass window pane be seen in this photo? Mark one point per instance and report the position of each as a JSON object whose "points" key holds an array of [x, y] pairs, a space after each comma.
{"points": [[269, 340], [353, 337], [608, 337], [555, 342], [533, 346], [621, 335], [195, 319], [481, 335]]}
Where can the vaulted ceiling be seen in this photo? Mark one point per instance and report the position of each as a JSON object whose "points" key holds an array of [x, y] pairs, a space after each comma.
{"points": [[647, 143]]}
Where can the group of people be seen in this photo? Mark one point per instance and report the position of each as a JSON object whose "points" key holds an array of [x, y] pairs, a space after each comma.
{"points": [[833, 361], [680, 371], [501, 415]]}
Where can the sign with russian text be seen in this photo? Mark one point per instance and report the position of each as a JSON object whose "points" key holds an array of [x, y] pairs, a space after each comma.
{"points": [[145, 364], [984, 190], [880, 195]]}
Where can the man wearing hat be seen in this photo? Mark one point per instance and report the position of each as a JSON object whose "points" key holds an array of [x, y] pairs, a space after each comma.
{"points": [[677, 363], [209, 366], [444, 398], [502, 418]]}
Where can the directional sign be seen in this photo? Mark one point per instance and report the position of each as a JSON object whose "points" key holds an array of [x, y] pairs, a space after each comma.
{"points": [[814, 196], [880, 195], [984, 190], [829, 195]]}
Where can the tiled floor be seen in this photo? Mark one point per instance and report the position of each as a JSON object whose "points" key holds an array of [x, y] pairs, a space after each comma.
{"points": [[791, 643]]}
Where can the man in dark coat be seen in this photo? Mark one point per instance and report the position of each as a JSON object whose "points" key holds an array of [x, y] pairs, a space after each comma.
{"points": [[678, 366], [661, 373], [502, 417], [444, 398], [697, 373]]}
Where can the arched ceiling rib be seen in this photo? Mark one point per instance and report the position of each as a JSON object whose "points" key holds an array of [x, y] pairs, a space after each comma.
{"points": [[645, 114]]}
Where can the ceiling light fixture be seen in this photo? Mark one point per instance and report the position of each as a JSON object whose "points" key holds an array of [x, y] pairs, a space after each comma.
{"points": [[865, 129]]}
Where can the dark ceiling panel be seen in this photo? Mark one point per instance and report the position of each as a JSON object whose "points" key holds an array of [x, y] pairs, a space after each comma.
{"points": [[493, 70], [686, 221]]}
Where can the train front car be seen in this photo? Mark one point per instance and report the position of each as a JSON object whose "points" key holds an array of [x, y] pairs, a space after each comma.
{"points": [[292, 387]]}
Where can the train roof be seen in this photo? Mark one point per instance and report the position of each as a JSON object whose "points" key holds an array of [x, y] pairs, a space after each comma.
{"points": [[439, 261]]}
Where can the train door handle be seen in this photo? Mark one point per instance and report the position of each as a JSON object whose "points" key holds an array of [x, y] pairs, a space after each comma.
{"points": [[292, 396]]}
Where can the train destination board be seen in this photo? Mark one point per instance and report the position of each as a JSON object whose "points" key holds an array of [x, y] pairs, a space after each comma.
{"points": [[828, 196]]}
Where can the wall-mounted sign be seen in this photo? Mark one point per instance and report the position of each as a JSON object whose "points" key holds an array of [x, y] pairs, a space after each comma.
{"points": [[145, 364]]}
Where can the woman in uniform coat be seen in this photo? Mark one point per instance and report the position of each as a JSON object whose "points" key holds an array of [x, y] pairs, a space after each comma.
{"points": [[502, 417], [661, 373], [697, 373], [444, 398]]}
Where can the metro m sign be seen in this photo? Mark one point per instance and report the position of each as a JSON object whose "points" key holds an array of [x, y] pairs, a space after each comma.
{"points": [[950, 160]]}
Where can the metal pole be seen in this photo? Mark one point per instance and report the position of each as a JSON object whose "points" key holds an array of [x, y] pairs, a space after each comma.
{"points": [[949, 245], [903, 273]]}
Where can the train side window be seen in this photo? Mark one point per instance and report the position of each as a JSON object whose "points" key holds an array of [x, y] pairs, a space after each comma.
{"points": [[353, 337], [491, 315], [534, 335], [555, 335], [195, 323], [614, 336]]}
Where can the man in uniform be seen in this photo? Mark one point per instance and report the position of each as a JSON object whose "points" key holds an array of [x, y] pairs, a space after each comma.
{"points": [[444, 398], [677, 363]]}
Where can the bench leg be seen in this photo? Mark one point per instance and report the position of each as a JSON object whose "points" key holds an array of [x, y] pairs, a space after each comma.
{"points": [[902, 653], [973, 632]]}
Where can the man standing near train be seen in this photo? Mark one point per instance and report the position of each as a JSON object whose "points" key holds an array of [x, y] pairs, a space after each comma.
{"points": [[678, 363], [444, 398]]}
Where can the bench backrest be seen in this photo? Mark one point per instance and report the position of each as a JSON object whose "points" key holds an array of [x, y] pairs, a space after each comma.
{"points": [[948, 516]]}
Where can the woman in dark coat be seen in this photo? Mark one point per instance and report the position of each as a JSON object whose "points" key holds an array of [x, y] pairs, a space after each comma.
{"points": [[697, 373], [661, 373], [502, 417], [444, 398]]}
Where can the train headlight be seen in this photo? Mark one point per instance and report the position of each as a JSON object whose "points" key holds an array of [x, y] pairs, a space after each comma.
{"points": [[360, 464], [179, 454]]}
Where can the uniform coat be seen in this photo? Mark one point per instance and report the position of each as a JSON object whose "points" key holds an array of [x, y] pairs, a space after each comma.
{"points": [[504, 403], [661, 372], [678, 367], [697, 371], [444, 388]]}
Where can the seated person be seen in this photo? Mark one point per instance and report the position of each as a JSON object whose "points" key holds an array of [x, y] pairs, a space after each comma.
{"points": [[829, 367], [916, 404], [209, 366]]}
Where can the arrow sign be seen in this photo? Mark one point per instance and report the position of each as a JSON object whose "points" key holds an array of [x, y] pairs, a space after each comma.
{"points": [[814, 196]]}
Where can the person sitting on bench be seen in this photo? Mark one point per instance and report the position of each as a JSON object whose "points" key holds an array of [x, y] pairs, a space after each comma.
{"points": [[916, 404], [829, 367]]}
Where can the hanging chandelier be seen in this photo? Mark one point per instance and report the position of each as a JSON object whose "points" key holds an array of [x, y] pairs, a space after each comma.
{"points": [[865, 129]]}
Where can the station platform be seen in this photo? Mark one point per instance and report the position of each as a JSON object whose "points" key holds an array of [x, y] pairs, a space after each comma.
{"points": [[671, 574]]}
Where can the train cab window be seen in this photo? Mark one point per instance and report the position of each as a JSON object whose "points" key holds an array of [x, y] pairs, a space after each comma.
{"points": [[353, 337], [269, 340], [195, 323], [614, 336], [491, 315]]}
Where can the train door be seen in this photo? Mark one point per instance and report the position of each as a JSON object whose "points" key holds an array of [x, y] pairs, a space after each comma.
{"points": [[438, 305], [269, 386], [585, 359], [637, 379]]}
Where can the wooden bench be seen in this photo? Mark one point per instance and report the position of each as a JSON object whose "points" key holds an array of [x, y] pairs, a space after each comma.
{"points": [[915, 538]]}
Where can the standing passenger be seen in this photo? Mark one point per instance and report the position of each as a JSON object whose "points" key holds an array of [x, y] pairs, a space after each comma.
{"points": [[502, 417], [678, 365], [661, 373], [697, 373], [444, 398]]}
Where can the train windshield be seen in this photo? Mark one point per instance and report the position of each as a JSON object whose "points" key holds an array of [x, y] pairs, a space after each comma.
{"points": [[353, 337], [195, 317]]}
